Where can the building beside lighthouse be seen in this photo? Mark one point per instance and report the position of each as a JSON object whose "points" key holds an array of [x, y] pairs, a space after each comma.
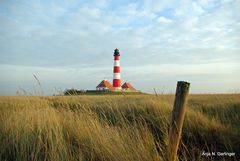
{"points": [[104, 85], [128, 87]]}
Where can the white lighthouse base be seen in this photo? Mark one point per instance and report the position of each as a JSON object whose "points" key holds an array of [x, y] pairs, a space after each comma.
{"points": [[117, 88]]}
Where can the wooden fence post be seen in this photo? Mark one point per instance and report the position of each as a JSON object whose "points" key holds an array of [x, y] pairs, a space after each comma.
{"points": [[177, 119]]}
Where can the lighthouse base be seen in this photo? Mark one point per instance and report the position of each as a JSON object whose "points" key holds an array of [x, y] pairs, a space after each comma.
{"points": [[117, 88]]}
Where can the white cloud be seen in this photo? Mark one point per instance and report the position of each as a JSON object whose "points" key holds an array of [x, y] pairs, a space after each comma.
{"points": [[158, 5], [188, 9], [163, 20]]}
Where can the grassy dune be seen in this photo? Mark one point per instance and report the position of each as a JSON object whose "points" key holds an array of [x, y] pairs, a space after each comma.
{"points": [[115, 128]]}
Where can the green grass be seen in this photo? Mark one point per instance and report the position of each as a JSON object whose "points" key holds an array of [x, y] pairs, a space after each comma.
{"points": [[115, 127]]}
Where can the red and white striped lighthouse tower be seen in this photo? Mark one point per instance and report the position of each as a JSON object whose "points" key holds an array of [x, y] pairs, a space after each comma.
{"points": [[116, 71]]}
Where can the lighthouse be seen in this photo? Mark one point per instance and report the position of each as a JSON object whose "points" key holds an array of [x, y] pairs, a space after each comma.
{"points": [[105, 86], [116, 71]]}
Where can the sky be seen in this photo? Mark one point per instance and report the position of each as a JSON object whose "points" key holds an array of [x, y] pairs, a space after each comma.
{"points": [[70, 44]]}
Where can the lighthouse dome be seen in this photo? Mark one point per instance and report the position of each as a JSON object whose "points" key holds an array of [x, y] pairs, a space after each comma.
{"points": [[116, 52]]}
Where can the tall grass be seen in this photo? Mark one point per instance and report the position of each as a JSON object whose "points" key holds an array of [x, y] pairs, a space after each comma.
{"points": [[115, 128]]}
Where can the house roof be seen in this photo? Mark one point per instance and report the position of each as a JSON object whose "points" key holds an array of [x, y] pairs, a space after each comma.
{"points": [[127, 85], [105, 83]]}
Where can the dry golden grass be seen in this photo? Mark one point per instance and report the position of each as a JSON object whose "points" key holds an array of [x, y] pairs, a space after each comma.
{"points": [[115, 128]]}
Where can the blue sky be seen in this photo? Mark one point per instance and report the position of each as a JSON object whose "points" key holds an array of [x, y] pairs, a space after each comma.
{"points": [[70, 43]]}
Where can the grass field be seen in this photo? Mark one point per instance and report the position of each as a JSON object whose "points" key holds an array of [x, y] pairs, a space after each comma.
{"points": [[115, 128]]}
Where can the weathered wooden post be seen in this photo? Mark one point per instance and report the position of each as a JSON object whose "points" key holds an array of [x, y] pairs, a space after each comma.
{"points": [[177, 119]]}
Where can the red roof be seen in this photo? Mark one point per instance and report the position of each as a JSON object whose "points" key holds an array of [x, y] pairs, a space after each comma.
{"points": [[105, 83], [127, 85]]}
